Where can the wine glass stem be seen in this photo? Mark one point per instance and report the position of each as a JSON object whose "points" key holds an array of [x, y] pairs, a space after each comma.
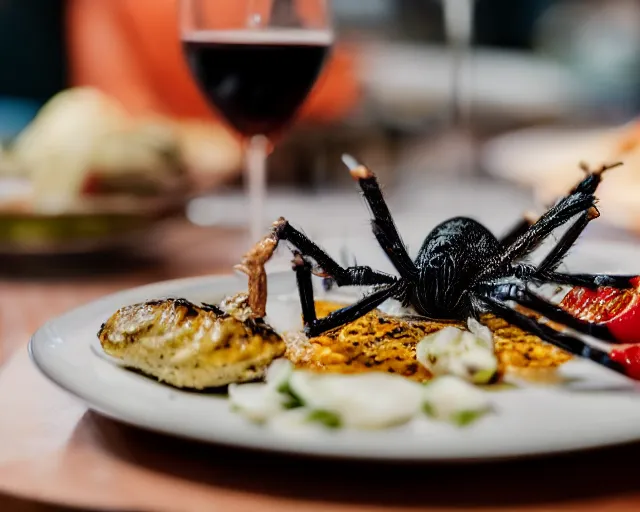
{"points": [[256, 183]]}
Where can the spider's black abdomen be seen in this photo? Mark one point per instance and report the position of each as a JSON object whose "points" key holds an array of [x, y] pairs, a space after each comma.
{"points": [[450, 258]]}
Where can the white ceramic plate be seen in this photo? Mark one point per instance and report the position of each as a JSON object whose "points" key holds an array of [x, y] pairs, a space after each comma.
{"points": [[546, 160], [594, 408], [529, 155], [114, 225]]}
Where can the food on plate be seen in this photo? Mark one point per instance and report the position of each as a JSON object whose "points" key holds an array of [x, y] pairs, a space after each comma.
{"points": [[375, 342], [629, 358], [614, 313], [462, 270], [84, 151], [192, 346], [86, 175], [469, 355], [142, 160], [53, 151], [259, 401], [388, 343], [466, 312], [367, 400], [293, 397], [450, 398], [521, 352]]}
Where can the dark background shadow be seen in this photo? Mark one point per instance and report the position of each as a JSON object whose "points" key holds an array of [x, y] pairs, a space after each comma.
{"points": [[532, 481], [10, 504]]}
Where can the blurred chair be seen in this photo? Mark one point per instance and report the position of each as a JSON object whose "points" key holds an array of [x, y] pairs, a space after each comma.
{"points": [[131, 50]]}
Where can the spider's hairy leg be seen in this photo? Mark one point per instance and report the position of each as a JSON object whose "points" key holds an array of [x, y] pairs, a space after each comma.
{"points": [[521, 227], [545, 271], [592, 281], [527, 242], [519, 294], [587, 185], [313, 326], [590, 182], [302, 268], [352, 312], [561, 340], [553, 260], [350, 276], [580, 200], [593, 177], [346, 261], [382, 223]]}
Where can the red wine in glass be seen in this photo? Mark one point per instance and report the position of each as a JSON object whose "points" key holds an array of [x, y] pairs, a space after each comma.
{"points": [[256, 61], [257, 79]]}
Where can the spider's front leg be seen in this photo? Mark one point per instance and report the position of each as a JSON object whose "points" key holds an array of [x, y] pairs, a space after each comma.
{"points": [[521, 295], [519, 229], [303, 269], [587, 184], [561, 340], [580, 200], [592, 281], [382, 223], [314, 326], [350, 276], [254, 261]]}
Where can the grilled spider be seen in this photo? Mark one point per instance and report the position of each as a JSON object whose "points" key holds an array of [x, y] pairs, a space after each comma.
{"points": [[462, 270]]}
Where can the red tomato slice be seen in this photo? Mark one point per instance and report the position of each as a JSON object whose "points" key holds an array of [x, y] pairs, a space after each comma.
{"points": [[629, 358], [619, 310]]}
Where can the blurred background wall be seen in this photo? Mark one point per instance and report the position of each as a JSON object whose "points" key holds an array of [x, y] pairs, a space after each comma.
{"points": [[386, 90]]}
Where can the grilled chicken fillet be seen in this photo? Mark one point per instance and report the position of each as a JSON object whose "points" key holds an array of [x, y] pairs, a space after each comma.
{"points": [[192, 346]]}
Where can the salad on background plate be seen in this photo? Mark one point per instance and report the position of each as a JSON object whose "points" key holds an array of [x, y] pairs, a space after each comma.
{"points": [[85, 175]]}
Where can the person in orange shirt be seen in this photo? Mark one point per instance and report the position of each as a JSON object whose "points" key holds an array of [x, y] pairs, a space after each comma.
{"points": [[131, 50]]}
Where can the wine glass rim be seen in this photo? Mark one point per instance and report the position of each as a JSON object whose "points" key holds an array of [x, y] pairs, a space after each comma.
{"points": [[271, 34]]}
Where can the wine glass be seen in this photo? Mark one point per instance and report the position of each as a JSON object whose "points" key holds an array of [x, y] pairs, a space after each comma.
{"points": [[256, 61]]}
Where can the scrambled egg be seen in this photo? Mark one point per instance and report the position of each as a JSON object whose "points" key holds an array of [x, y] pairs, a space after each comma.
{"points": [[381, 342]]}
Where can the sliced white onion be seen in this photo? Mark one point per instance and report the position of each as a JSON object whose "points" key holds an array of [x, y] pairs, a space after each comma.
{"points": [[294, 422], [278, 373], [368, 401], [452, 351], [395, 308], [449, 398], [481, 332], [256, 401]]}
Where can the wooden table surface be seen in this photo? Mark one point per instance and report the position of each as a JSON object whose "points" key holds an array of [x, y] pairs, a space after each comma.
{"points": [[54, 452]]}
